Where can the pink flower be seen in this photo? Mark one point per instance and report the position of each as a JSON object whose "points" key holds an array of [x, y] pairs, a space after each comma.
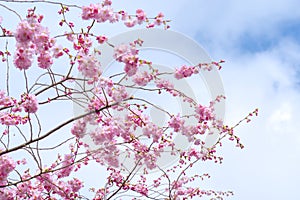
{"points": [[141, 16], [100, 13], [32, 38], [185, 71], [107, 2], [42, 38], [106, 13], [141, 188], [159, 19], [29, 103], [7, 165], [204, 113], [79, 128], [119, 94], [23, 58], [120, 51], [75, 184], [130, 23], [7, 194], [90, 12], [152, 130], [142, 79], [67, 166], [131, 66], [24, 32], [176, 123], [6, 100], [57, 51], [101, 39], [12, 119], [89, 66], [128, 56], [45, 60], [161, 83]]}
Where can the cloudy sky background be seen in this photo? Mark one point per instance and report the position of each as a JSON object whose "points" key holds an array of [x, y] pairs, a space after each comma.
{"points": [[260, 42], [259, 39]]}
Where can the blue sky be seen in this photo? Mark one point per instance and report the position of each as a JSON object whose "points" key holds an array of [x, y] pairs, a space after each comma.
{"points": [[259, 39]]}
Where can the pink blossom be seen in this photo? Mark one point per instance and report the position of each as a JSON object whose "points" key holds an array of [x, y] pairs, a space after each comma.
{"points": [[185, 71], [128, 56], [45, 60], [7, 165], [152, 130], [140, 188], [24, 32], [6, 100], [131, 65], [90, 12], [70, 37], [89, 65], [84, 42], [137, 118], [75, 184], [107, 2], [159, 19], [130, 23], [105, 82], [12, 119], [101, 39], [118, 94], [120, 51], [106, 13], [23, 58], [162, 83], [79, 128], [32, 38], [29, 103], [97, 103], [7, 194], [124, 15], [147, 155], [116, 177], [67, 166], [57, 51], [176, 123], [99, 135], [141, 16], [142, 79], [42, 39], [100, 13], [204, 113]]}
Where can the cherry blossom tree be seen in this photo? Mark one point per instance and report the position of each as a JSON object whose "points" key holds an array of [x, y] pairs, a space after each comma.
{"points": [[43, 69]]}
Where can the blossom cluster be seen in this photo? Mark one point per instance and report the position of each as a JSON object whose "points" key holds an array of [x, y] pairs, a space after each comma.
{"points": [[129, 56], [44, 187], [187, 71], [33, 39], [104, 12], [28, 102], [7, 165]]}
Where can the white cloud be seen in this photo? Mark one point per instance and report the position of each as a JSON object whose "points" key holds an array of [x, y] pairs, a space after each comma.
{"points": [[280, 119]]}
